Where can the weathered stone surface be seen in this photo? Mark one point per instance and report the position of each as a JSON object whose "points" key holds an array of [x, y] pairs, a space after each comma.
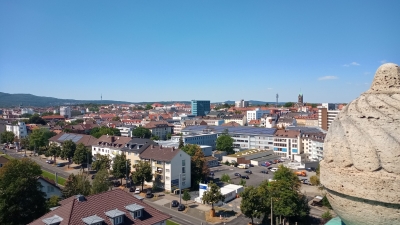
{"points": [[361, 166]]}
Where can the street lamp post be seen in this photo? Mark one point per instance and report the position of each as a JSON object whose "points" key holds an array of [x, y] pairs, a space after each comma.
{"points": [[180, 189]]}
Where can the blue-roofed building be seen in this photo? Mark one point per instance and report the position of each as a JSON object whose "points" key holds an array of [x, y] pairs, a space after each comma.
{"points": [[244, 137], [200, 107]]}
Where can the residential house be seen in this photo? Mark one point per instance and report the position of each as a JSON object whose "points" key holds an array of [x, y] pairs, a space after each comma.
{"points": [[87, 140], [254, 123], [115, 207], [214, 122], [256, 114], [168, 164], [286, 122], [135, 147], [268, 121], [313, 144], [110, 146], [160, 129], [49, 187], [19, 129], [240, 119], [231, 124], [126, 131]]}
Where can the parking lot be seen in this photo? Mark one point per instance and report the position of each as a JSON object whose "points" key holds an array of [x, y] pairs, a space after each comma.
{"points": [[255, 179]]}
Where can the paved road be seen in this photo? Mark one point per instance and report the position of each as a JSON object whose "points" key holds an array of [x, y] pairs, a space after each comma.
{"points": [[45, 166]]}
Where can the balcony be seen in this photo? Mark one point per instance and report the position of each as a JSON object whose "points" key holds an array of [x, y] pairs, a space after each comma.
{"points": [[159, 170]]}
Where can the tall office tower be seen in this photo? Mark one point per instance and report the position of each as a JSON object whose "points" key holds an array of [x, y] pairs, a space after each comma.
{"points": [[200, 107]]}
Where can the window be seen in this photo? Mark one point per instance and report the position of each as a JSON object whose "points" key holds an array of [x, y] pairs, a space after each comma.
{"points": [[166, 170], [159, 162], [94, 149], [183, 183], [183, 170], [50, 189], [183, 162], [118, 220]]}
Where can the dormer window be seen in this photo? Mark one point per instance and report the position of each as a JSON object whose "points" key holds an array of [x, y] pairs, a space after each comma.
{"points": [[116, 216], [135, 210], [93, 220], [54, 220]]}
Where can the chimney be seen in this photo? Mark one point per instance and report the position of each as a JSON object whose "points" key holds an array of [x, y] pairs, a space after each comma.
{"points": [[152, 146], [112, 139]]}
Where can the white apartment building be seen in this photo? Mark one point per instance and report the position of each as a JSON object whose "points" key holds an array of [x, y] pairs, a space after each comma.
{"points": [[160, 128], [288, 143], [313, 144], [27, 111], [126, 131], [65, 111], [240, 119], [256, 114], [326, 117], [169, 165], [19, 129], [268, 121], [241, 104]]}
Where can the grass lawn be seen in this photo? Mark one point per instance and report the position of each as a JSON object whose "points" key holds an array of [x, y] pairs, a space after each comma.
{"points": [[169, 222], [7, 156], [51, 176]]}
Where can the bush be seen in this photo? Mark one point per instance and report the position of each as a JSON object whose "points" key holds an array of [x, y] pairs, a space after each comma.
{"points": [[227, 163], [314, 180], [325, 202], [225, 178], [326, 215]]}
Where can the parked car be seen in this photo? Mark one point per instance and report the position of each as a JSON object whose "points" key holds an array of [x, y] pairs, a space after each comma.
{"points": [[60, 164], [50, 161], [181, 207], [212, 174], [310, 169], [117, 184], [306, 182], [251, 165], [237, 174], [274, 169], [245, 177], [248, 171], [131, 189], [137, 191], [264, 171], [270, 162], [174, 203], [149, 194]]}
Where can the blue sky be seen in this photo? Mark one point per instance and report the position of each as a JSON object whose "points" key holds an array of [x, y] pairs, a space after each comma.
{"points": [[182, 50]]}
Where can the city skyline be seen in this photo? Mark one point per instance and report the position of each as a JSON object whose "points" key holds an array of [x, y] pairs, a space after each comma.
{"points": [[180, 51]]}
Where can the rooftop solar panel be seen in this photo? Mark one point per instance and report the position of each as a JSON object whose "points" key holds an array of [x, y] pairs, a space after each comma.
{"points": [[77, 138], [220, 129], [62, 138]]}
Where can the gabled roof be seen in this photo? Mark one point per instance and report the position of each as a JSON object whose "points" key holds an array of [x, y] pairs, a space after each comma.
{"points": [[138, 145], [87, 140], [73, 211], [159, 153]]}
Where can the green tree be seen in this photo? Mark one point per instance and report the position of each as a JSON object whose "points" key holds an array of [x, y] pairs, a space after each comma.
{"points": [[7, 137], [242, 182], [36, 119], [68, 150], [181, 144], [53, 201], [169, 135], [82, 155], [326, 216], [251, 203], [39, 138], [142, 173], [54, 150], [186, 196], [314, 180], [285, 174], [25, 115], [213, 195], [76, 184], [97, 132], [288, 104], [190, 149], [155, 138], [148, 107], [225, 178], [141, 132], [116, 118], [21, 198], [101, 162], [326, 203], [101, 182], [24, 142], [225, 143], [199, 167], [121, 167]]}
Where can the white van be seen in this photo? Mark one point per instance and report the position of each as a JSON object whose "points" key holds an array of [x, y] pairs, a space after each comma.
{"points": [[243, 166]]}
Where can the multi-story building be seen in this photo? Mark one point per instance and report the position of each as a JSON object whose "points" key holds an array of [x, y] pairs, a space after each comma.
{"points": [[111, 207], [208, 139], [200, 107], [160, 128], [134, 148], [65, 111], [313, 144], [110, 146], [244, 137], [241, 104], [239, 119], [214, 122], [169, 165], [325, 117], [268, 121], [126, 131], [311, 122], [288, 143], [256, 114], [27, 111], [19, 129]]}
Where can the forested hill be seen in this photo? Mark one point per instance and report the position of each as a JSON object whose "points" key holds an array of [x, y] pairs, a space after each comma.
{"points": [[9, 100]]}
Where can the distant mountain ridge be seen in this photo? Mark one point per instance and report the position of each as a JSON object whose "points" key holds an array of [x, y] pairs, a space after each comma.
{"points": [[9, 100]]}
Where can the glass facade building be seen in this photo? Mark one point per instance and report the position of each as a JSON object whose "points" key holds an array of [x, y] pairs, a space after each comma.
{"points": [[200, 107]]}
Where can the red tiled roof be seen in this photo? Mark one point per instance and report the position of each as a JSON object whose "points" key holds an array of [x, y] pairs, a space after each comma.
{"points": [[73, 211], [53, 117], [255, 122]]}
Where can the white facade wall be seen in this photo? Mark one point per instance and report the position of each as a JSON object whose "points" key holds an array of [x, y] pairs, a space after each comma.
{"points": [[49, 189], [65, 111], [161, 132], [255, 114], [107, 151], [125, 131], [27, 111], [173, 169], [288, 147], [19, 129]]}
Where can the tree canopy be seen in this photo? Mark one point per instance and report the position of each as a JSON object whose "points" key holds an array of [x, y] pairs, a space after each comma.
{"points": [[225, 143], [36, 119], [39, 138], [53, 150], [99, 131], [101, 162], [7, 137], [148, 107], [121, 167], [141, 132], [82, 155], [186, 196], [252, 202], [181, 143], [198, 167], [190, 149], [68, 150], [213, 194], [21, 198], [76, 184], [142, 173], [101, 182], [288, 104]]}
